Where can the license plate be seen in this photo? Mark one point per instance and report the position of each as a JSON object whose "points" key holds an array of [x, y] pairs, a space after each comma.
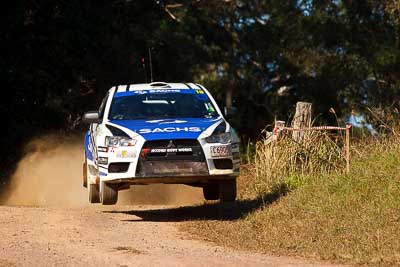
{"points": [[220, 151]]}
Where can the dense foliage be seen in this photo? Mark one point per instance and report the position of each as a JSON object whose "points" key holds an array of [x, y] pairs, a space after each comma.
{"points": [[59, 57]]}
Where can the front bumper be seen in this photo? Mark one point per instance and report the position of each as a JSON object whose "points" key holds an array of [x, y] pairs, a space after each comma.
{"points": [[140, 166], [171, 169]]}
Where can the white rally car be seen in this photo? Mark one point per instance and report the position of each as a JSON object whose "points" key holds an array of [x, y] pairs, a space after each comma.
{"points": [[171, 133]]}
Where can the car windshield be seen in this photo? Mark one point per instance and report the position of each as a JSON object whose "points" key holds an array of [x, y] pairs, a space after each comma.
{"points": [[145, 104]]}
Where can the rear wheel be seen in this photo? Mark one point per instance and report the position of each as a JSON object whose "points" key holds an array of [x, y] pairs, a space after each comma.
{"points": [[94, 196], [108, 193], [84, 174], [211, 191], [227, 190]]}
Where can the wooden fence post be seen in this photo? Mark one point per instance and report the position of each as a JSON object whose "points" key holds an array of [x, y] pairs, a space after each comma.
{"points": [[302, 119], [277, 130], [348, 149]]}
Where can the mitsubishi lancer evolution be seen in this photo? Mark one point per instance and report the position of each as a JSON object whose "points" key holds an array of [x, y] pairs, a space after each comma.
{"points": [[169, 133]]}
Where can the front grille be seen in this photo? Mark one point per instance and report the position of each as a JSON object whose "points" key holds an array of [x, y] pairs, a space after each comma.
{"points": [[179, 157], [176, 142], [165, 150], [171, 168]]}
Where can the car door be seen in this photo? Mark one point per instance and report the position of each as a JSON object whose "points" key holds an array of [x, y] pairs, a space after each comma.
{"points": [[94, 126]]}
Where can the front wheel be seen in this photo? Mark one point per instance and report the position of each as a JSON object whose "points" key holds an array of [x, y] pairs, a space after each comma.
{"points": [[211, 191], [94, 196], [108, 193], [227, 190]]}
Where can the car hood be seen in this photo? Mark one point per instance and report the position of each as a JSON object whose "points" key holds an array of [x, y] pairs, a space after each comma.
{"points": [[177, 128]]}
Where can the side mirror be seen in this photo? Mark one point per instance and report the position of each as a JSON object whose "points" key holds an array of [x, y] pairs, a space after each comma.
{"points": [[91, 117], [230, 112]]}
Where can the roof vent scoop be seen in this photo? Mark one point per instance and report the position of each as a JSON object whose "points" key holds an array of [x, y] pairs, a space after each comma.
{"points": [[160, 84]]}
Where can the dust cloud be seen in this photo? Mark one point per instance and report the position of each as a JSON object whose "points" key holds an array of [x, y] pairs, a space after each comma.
{"points": [[50, 174]]}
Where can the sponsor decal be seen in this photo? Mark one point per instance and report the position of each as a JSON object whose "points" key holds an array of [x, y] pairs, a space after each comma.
{"points": [[90, 145], [175, 121], [155, 91], [164, 91], [170, 130], [171, 150], [166, 121], [140, 92], [126, 154]]}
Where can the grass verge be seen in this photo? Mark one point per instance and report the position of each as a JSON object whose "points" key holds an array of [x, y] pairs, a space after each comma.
{"points": [[353, 219]]}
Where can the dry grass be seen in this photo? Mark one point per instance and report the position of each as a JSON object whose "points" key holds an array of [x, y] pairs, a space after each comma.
{"points": [[289, 162], [322, 213]]}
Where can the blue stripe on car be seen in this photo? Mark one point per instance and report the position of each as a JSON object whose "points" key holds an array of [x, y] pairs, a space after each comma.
{"points": [[88, 153]]}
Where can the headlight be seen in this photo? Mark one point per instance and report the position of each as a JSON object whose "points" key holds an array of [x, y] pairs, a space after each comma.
{"points": [[223, 138], [219, 135], [117, 141]]}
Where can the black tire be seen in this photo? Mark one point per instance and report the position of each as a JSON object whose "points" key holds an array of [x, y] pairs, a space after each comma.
{"points": [[84, 174], [108, 193], [227, 190], [211, 191], [94, 196]]}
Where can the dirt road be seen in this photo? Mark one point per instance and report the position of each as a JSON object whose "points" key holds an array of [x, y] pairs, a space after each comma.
{"points": [[117, 236], [57, 227]]}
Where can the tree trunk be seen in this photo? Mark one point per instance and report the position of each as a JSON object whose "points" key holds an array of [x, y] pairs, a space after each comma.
{"points": [[228, 96]]}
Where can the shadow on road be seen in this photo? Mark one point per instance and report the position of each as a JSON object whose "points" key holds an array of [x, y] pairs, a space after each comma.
{"points": [[207, 211]]}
